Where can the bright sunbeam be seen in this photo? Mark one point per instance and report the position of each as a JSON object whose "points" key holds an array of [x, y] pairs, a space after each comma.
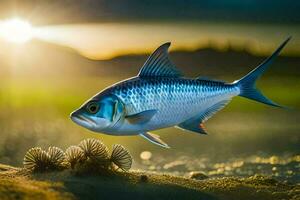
{"points": [[16, 30]]}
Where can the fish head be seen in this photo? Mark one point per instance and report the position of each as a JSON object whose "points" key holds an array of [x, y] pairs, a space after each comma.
{"points": [[99, 113]]}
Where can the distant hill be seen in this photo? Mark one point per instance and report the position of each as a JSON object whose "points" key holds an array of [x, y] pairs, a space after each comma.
{"points": [[40, 59]]}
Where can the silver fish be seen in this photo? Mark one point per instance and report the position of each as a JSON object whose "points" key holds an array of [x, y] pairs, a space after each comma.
{"points": [[160, 96]]}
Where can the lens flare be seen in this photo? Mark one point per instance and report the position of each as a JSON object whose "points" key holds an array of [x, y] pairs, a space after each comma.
{"points": [[16, 30]]}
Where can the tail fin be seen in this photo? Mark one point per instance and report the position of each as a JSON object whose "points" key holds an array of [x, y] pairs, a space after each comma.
{"points": [[247, 83]]}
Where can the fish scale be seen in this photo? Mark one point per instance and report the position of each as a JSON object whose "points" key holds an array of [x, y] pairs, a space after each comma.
{"points": [[160, 96], [175, 99]]}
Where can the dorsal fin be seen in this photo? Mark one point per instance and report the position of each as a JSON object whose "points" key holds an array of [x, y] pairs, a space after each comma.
{"points": [[159, 64]]}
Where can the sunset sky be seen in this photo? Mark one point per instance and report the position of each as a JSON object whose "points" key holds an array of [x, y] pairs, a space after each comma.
{"points": [[105, 29]]}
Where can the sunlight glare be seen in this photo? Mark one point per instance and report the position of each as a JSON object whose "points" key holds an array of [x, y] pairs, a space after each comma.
{"points": [[16, 30]]}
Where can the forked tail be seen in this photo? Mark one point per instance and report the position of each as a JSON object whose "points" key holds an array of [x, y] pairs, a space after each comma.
{"points": [[247, 83]]}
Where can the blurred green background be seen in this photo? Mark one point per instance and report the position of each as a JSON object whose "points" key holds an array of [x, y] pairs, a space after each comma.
{"points": [[69, 57]]}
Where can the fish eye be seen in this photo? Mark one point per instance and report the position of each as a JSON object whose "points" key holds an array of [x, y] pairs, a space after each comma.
{"points": [[92, 107]]}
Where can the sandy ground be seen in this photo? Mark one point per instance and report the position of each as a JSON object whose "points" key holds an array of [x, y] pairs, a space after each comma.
{"points": [[16, 183]]}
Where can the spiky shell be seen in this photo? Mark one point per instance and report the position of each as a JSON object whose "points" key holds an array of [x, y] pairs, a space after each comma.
{"points": [[36, 159], [121, 157], [74, 155], [56, 156], [94, 149]]}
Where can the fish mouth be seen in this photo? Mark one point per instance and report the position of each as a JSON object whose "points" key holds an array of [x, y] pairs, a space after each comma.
{"points": [[80, 119]]}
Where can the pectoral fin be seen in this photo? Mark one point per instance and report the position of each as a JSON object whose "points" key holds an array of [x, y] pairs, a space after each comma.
{"points": [[154, 139], [142, 117]]}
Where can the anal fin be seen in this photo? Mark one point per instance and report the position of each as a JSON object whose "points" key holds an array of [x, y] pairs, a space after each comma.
{"points": [[154, 139], [196, 123], [194, 127]]}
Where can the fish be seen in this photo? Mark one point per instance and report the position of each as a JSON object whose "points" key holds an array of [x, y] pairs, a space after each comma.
{"points": [[160, 96]]}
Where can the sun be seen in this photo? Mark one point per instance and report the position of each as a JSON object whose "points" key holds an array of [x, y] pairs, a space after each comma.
{"points": [[16, 30]]}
